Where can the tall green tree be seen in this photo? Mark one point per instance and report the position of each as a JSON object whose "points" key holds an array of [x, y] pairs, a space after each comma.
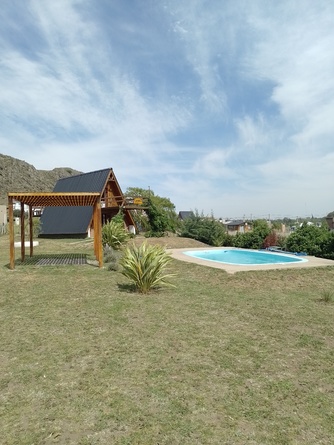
{"points": [[158, 215], [157, 218], [205, 229]]}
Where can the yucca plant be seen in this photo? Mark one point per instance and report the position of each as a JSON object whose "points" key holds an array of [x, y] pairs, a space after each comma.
{"points": [[114, 234], [145, 266]]}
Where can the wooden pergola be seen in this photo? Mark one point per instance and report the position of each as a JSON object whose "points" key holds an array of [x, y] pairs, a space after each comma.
{"points": [[53, 200]]}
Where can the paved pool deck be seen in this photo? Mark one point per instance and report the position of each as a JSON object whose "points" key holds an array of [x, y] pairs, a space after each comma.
{"points": [[312, 261]]}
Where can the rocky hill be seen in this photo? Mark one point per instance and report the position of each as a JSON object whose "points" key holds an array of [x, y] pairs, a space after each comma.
{"points": [[19, 176]]}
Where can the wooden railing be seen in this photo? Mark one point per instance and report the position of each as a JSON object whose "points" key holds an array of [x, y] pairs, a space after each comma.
{"points": [[127, 202], [135, 202]]}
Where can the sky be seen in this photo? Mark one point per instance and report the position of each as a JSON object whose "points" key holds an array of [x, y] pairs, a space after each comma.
{"points": [[226, 107]]}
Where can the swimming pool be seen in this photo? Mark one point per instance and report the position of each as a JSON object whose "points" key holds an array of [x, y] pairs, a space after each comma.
{"points": [[242, 257]]}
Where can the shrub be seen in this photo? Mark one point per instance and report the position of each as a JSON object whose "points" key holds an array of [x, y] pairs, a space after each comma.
{"points": [[271, 239], [328, 246], [145, 266], [274, 239], [152, 234], [308, 238], [114, 234], [111, 257], [254, 239], [207, 230], [119, 218]]}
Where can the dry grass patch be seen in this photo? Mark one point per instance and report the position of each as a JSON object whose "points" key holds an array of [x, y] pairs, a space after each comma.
{"points": [[220, 359]]}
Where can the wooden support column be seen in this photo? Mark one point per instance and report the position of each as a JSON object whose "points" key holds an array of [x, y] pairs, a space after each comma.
{"points": [[94, 229], [23, 251], [11, 233], [98, 233], [31, 232]]}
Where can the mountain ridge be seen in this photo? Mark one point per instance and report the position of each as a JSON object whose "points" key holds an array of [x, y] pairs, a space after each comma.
{"points": [[19, 176]]}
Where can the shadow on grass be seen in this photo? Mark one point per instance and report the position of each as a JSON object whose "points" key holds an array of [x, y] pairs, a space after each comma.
{"points": [[128, 288]]}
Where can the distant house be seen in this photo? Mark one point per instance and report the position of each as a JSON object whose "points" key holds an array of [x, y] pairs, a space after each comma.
{"points": [[77, 221], [236, 226], [185, 214]]}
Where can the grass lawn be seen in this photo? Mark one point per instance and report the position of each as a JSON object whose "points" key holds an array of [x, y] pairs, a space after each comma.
{"points": [[219, 359]]}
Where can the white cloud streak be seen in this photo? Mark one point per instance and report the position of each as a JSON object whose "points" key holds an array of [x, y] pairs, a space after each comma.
{"points": [[222, 106]]}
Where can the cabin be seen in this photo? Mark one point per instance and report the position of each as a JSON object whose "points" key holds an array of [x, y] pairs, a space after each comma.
{"points": [[78, 221], [236, 226]]}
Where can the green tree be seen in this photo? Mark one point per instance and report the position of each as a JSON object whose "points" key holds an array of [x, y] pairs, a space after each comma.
{"points": [[328, 246], [157, 218], [158, 215], [276, 225], [205, 229], [308, 238], [255, 239]]}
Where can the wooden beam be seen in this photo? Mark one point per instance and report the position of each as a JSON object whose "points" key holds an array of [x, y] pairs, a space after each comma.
{"points": [[94, 228], [11, 233], [98, 248], [31, 232], [54, 199], [23, 251]]}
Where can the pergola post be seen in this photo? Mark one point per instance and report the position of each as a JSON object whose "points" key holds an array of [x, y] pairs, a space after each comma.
{"points": [[23, 251], [97, 223], [44, 199], [11, 233], [31, 231]]}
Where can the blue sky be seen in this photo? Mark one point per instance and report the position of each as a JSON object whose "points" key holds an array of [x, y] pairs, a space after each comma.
{"points": [[225, 107]]}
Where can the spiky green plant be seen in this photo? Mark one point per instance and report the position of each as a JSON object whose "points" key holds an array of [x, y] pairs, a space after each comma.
{"points": [[145, 265], [114, 234]]}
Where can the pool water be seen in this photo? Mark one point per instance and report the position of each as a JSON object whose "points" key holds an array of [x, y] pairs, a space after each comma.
{"points": [[243, 257]]}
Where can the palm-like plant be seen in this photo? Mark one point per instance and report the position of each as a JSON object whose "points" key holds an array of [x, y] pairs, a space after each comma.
{"points": [[114, 234], [145, 266]]}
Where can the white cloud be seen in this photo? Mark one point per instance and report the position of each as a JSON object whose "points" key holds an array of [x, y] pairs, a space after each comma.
{"points": [[202, 33], [252, 132], [295, 53], [223, 106], [214, 164], [58, 98]]}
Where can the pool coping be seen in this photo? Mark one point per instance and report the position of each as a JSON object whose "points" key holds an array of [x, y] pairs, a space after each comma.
{"points": [[179, 254]]}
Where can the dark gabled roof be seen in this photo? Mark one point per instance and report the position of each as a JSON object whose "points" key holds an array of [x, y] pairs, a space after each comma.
{"points": [[73, 220], [184, 214], [85, 182], [236, 222], [65, 220]]}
